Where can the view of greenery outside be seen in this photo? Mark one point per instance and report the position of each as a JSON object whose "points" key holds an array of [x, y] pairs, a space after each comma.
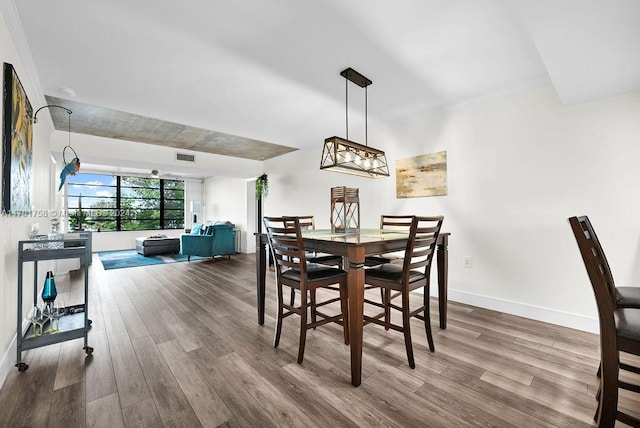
{"points": [[112, 202]]}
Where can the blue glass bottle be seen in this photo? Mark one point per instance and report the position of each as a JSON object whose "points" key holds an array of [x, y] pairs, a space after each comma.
{"points": [[49, 292]]}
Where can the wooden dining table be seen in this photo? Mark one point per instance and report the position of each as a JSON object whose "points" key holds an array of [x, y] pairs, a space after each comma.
{"points": [[354, 247]]}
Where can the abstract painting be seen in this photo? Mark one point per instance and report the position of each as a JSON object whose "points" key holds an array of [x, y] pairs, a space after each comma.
{"points": [[17, 146], [424, 175]]}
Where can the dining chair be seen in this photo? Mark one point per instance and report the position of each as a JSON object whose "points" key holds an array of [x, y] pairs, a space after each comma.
{"points": [[307, 222], [399, 279], [619, 327], [293, 271], [400, 223], [626, 297]]}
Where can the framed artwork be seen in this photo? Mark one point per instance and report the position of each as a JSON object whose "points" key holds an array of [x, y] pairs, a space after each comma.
{"points": [[17, 146], [424, 175]]}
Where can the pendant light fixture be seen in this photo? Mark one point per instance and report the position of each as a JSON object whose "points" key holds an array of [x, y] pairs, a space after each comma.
{"points": [[72, 166], [343, 155]]}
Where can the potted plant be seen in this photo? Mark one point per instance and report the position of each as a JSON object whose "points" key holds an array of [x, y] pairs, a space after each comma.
{"points": [[262, 186], [262, 189]]}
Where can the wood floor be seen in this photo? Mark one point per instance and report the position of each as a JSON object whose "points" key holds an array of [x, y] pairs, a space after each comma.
{"points": [[178, 345]]}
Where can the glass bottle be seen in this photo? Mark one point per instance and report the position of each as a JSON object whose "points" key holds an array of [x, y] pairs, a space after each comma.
{"points": [[55, 234]]}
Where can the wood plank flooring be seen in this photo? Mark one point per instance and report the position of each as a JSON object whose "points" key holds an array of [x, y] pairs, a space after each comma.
{"points": [[178, 345]]}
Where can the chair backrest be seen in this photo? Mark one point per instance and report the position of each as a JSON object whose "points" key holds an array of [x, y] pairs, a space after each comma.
{"points": [[307, 222], [421, 246], [287, 247], [599, 273], [596, 263], [396, 222]]}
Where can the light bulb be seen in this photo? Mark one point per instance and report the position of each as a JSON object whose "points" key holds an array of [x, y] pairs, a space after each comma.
{"points": [[348, 157]]}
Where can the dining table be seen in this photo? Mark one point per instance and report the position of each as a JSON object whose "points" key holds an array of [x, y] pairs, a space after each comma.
{"points": [[354, 246]]}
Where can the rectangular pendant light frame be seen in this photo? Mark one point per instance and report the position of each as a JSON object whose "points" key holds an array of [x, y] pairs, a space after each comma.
{"points": [[349, 157]]}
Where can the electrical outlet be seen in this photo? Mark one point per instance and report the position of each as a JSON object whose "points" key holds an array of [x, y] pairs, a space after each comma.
{"points": [[467, 262]]}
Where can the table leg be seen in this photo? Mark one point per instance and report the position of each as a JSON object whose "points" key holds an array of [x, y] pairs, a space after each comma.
{"points": [[261, 272], [443, 278], [356, 310]]}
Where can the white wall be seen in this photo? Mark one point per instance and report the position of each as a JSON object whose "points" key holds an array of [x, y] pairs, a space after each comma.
{"points": [[518, 166], [194, 195], [14, 229], [225, 200]]}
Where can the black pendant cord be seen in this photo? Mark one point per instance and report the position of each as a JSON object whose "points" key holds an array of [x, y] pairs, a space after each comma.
{"points": [[346, 104], [366, 108], [366, 115], [35, 120], [69, 129], [35, 116]]}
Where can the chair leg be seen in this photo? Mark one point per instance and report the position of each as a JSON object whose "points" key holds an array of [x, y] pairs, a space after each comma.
{"points": [[280, 315], [313, 306], [188, 258], [608, 403], [386, 301], [406, 322], [427, 319], [303, 325], [293, 296]]}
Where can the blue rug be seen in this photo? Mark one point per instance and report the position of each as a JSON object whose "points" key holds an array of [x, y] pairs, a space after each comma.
{"points": [[130, 258]]}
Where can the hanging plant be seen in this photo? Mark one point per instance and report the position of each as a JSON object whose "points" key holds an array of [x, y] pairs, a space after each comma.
{"points": [[262, 186]]}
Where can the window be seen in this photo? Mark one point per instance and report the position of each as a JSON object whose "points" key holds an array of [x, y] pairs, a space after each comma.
{"points": [[112, 202]]}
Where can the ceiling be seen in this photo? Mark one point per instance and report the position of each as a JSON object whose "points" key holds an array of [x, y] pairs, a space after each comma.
{"points": [[258, 78]]}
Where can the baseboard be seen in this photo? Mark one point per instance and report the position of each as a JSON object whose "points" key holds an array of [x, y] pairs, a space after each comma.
{"points": [[552, 316], [8, 361]]}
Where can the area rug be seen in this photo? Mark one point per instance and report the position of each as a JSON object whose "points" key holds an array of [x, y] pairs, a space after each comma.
{"points": [[130, 258]]}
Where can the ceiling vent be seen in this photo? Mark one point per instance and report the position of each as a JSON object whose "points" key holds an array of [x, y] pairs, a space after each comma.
{"points": [[185, 157]]}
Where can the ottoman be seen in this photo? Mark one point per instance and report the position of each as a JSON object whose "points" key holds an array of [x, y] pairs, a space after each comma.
{"points": [[153, 245]]}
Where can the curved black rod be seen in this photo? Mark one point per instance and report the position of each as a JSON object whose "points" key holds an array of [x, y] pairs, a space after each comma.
{"points": [[35, 116]]}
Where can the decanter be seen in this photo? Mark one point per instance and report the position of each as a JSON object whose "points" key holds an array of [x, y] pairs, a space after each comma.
{"points": [[55, 234]]}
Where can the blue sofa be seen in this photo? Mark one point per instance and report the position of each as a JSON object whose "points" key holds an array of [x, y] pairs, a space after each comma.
{"points": [[218, 239]]}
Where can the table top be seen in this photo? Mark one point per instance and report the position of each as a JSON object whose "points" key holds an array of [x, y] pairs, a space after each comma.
{"points": [[363, 236], [383, 238]]}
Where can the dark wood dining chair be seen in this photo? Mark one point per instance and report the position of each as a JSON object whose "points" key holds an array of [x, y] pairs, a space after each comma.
{"points": [[619, 327], [293, 271], [626, 297], [307, 222], [400, 223], [399, 279]]}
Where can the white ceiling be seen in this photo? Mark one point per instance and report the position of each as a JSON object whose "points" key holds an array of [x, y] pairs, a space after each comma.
{"points": [[269, 69]]}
